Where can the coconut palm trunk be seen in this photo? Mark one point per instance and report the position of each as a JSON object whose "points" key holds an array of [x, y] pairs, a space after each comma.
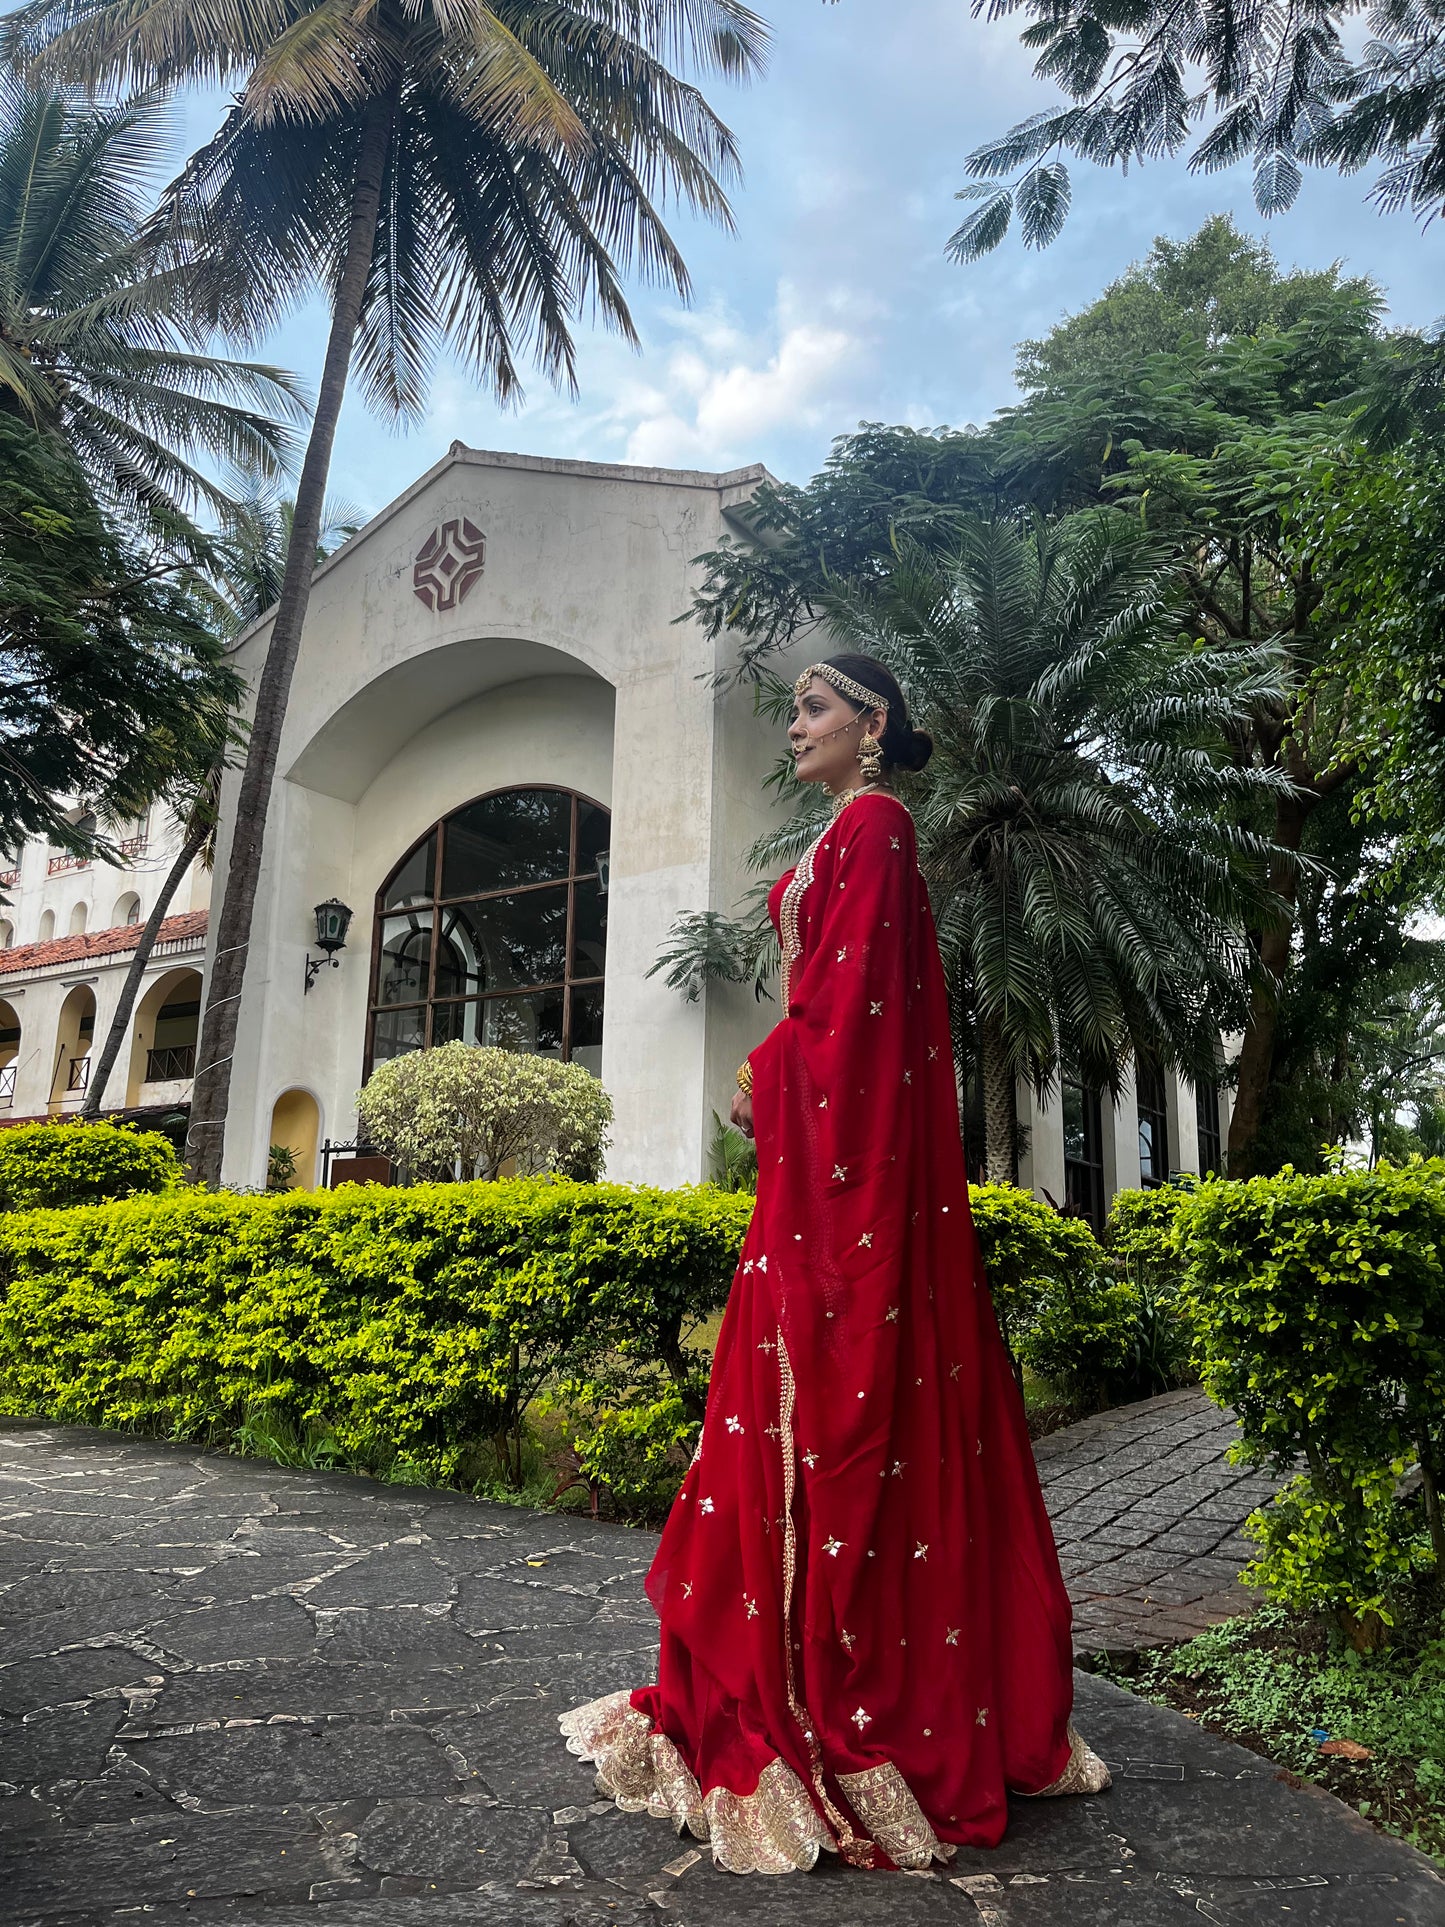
{"points": [[205, 1140], [190, 849]]}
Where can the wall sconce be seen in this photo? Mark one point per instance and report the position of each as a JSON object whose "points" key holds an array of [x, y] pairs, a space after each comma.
{"points": [[604, 858], [332, 919]]}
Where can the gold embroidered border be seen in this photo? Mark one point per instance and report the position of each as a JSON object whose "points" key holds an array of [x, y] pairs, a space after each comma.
{"points": [[1085, 1773], [855, 1847], [772, 1830], [884, 1802]]}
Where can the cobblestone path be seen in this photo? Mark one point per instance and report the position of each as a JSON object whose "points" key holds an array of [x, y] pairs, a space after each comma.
{"points": [[233, 1695], [1147, 1512]]}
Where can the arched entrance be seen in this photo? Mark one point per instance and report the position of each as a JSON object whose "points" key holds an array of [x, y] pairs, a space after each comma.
{"points": [[493, 930], [74, 1036], [9, 1052], [296, 1125], [163, 1045]]}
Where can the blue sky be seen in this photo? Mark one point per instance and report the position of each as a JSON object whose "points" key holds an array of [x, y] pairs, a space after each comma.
{"points": [[832, 303]]}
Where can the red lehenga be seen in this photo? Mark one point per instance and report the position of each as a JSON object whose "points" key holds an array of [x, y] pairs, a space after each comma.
{"points": [[865, 1634]]}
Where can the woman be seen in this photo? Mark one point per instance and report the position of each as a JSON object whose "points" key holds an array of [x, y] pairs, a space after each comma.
{"points": [[865, 1635]]}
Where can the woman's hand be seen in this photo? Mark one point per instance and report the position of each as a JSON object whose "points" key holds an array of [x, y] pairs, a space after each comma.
{"points": [[742, 1112]]}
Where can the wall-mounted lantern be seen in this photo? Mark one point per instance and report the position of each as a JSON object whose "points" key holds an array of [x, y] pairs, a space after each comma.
{"points": [[332, 920], [603, 862]]}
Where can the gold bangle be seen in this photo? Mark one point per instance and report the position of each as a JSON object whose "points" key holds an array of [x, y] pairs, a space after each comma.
{"points": [[745, 1077]]}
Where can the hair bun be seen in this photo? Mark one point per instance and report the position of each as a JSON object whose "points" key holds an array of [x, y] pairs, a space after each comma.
{"points": [[917, 748]]}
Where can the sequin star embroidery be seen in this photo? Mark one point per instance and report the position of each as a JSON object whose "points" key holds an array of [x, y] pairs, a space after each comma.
{"points": [[687, 1589], [763, 1263], [822, 1103], [875, 1010], [980, 1718], [892, 1315], [898, 1465], [908, 1077], [866, 1240], [752, 1606], [706, 1506], [843, 953], [954, 1370], [840, 1171], [850, 1640], [920, 1551], [833, 1547], [735, 1424], [894, 844], [932, 1052], [747, 1266], [810, 1459], [766, 1345], [861, 1719], [950, 1638], [772, 1432]]}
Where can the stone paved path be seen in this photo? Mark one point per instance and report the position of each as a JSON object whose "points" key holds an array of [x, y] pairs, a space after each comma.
{"points": [[233, 1695], [1147, 1512]]}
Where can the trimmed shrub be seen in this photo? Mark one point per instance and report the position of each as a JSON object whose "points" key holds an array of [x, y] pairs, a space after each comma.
{"points": [[478, 1109], [1320, 1307], [1142, 1244], [55, 1165], [413, 1325], [1060, 1312]]}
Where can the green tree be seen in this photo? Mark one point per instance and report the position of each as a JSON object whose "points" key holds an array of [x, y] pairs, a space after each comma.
{"points": [[1089, 891], [249, 561], [96, 339], [1274, 85], [107, 661], [473, 174], [1218, 285]]}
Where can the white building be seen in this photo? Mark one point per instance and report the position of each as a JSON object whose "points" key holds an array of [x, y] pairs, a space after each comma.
{"points": [[507, 756], [68, 930]]}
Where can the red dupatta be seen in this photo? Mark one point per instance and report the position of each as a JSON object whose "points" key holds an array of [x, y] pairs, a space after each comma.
{"points": [[865, 1634]]}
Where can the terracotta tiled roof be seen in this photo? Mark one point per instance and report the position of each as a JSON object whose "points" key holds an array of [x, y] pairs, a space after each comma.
{"points": [[97, 943]]}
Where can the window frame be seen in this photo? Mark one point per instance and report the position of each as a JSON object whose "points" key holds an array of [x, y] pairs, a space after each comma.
{"points": [[1156, 1114], [1093, 1177], [437, 904]]}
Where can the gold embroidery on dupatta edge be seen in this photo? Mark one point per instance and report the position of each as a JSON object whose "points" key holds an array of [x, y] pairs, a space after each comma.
{"points": [[856, 1848], [773, 1830], [884, 1802], [789, 943]]}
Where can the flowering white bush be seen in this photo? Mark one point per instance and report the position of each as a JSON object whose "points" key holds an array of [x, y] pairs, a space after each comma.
{"points": [[468, 1110]]}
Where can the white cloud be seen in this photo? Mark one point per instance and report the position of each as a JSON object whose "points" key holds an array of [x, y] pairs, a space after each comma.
{"points": [[718, 395]]}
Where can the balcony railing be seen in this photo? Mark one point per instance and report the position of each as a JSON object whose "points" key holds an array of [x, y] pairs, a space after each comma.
{"points": [[78, 1078], [176, 1060], [134, 845], [65, 862], [173, 945], [7, 1083], [9, 879]]}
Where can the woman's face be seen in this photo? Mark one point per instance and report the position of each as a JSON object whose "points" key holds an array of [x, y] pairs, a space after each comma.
{"points": [[825, 733]]}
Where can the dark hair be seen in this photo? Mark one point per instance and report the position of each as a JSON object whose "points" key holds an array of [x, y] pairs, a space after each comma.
{"points": [[903, 746]]}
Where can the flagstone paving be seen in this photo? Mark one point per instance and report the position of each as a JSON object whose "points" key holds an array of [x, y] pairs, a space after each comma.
{"points": [[1147, 1512], [235, 1695]]}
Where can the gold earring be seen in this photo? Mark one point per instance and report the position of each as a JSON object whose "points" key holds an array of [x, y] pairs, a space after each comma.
{"points": [[870, 759]]}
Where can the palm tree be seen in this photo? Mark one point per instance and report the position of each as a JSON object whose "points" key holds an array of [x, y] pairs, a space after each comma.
{"points": [[464, 172], [95, 344], [250, 559], [1074, 822]]}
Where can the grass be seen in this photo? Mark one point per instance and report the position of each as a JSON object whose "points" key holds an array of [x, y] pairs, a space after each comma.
{"points": [[1285, 1685]]}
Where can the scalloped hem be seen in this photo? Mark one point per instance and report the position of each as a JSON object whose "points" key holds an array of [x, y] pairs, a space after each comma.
{"points": [[774, 1830]]}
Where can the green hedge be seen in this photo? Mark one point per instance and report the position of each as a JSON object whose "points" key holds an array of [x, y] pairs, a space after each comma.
{"points": [[416, 1328], [1320, 1308], [416, 1325], [56, 1165]]}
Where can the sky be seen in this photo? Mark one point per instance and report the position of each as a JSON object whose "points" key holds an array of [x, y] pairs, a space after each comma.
{"points": [[833, 302]]}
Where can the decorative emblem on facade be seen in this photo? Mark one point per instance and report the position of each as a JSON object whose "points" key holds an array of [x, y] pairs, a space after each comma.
{"points": [[448, 563]]}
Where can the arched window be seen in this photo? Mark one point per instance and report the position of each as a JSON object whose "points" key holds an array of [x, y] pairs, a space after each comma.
{"points": [[7, 933], [493, 929], [78, 916], [47, 926], [127, 911]]}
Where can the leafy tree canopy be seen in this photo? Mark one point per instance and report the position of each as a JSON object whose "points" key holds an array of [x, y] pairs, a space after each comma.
{"points": [[1216, 286], [1227, 80], [107, 666]]}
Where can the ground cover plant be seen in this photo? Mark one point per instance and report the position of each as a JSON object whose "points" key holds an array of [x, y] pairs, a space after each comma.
{"points": [[1370, 1730]]}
